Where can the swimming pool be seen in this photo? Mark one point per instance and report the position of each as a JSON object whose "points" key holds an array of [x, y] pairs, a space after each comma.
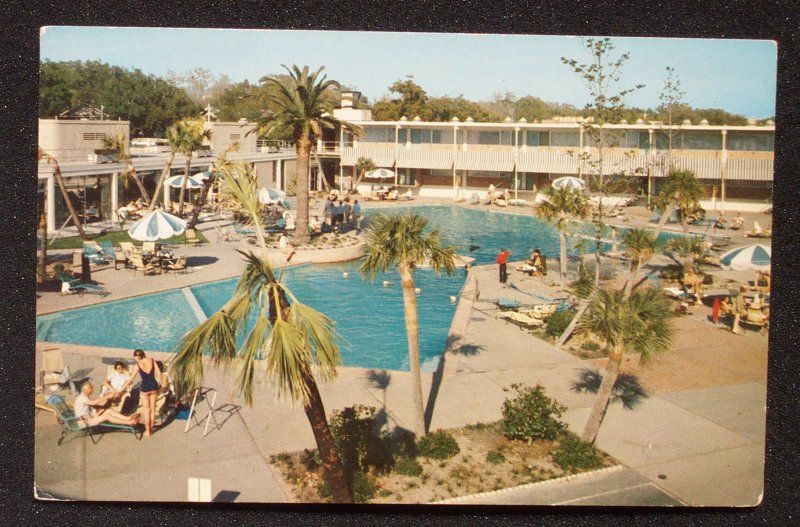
{"points": [[368, 315]]}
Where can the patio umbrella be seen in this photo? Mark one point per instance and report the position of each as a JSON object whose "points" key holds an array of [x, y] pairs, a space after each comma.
{"points": [[158, 225], [194, 182], [379, 173], [569, 182], [268, 196], [756, 257]]}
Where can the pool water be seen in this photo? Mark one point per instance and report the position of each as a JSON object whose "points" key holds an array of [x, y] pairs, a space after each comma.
{"points": [[368, 315]]}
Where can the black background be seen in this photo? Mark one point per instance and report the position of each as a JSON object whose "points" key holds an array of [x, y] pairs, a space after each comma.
{"points": [[19, 35]]}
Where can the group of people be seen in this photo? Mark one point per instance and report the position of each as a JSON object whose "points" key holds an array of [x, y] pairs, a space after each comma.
{"points": [[338, 216], [93, 412], [535, 266]]}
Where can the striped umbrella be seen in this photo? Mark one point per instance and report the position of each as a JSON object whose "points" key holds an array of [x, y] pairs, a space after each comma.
{"points": [[194, 182], [158, 225], [756, 257], [569, 182], [379, 173], [270, 195]]}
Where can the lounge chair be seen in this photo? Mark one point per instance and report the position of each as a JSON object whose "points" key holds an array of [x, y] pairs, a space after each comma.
{"points": [[94, 253], [242, 230], [520, 319], [408, 195], [54, 372], [105, 389], [190, 237], [677, 293], [137, 264], [128, 248], [507, 304], [226, 235], [474, 199], [70, 424], [178, 265], [70, 285], [148, 248]]}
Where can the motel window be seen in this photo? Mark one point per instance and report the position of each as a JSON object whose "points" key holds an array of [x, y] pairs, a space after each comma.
{"points": [[419, 136], [402, 136], [565, 138], [699, 141], [488, 138], [644, 140], [378, 135], [436, 136], [763, 142], [416, 136], [532, 138]]}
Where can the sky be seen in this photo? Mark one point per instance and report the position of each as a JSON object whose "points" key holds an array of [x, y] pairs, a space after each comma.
{"points": [[736, 75]]}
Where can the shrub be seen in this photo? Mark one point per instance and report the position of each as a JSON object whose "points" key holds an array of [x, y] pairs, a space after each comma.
{"points": [[531, 415], [407, 467], [494, 457], [438, 445], [364, 487], [558, 322], [590, 346], [358, 440], [584, 285], [574, 454]]}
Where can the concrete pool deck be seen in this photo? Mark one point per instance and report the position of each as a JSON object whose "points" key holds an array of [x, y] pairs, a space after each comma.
{"points": [[702, 426]]}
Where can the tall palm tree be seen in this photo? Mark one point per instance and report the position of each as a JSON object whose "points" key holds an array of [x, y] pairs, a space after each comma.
{"points": [[301, 105], [640, 245], [559, 206], [191, 137], [173, 137], [222, 162], [363, 165], [399, 241], [119, 144], [62, 186], [681, 191], [289, 339], [638, 324]]}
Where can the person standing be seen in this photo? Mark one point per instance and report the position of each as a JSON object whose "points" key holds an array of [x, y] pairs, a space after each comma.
{"points": [[348, 213], [502, 260], [738, 308], [357, 215], [150, 374]]}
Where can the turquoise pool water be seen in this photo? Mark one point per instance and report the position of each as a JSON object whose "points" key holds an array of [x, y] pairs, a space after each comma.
{"points": [[368, 315]]}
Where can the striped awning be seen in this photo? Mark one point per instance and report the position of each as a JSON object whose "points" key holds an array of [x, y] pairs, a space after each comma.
{"points": [[418, 158], [750, 169], [488, 161], [547, 163], [381, 156]]}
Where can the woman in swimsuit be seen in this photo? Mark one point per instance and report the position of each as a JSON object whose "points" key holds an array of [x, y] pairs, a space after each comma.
{"points": [[150, 374]]}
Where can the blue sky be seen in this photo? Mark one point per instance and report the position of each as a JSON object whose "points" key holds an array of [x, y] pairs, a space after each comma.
{"points": [[736, 75]]}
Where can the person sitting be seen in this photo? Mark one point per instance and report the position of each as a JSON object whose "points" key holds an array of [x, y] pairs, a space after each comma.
{"points": [[738, 222], [763, 282], [693, 281], [758, 232], [289, 219], [285, 247], [392, 195], [721, 222], [92, 412], [314, 224], [114, 386]]}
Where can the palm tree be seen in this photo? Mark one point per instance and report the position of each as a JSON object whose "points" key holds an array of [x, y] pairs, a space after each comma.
{"points": [[240, 182], [682, 191], [639, 324], [399, 241], [43, 156], [173, 137], [559, 206], [363, 165], [221, 163], [192, 134], [687, 248], [119, 144], [640, 245], [302, 107], [289, 340]]}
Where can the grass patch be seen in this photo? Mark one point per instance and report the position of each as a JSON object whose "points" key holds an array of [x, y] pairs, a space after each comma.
{"points": [[75, 242]]}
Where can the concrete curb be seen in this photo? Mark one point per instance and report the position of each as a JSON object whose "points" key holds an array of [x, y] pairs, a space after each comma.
{"points": [[535, 484]]}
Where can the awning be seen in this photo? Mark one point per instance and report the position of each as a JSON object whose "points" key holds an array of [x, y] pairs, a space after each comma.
{"points": [[750, 169], [381, 156], [487, 161], [430, 159], [547, 163]]}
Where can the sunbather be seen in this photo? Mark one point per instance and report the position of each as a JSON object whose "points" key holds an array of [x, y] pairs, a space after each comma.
{"points": [[93, 412], [738, 222], [114, 386]]}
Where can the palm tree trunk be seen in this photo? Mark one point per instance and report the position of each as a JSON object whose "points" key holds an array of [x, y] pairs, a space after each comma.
{"points": [[597, 246], [201, 202], [573, 323], [634, 273], [331, 463], [41, 271], [139, 183], [301, 189], [563, 256], [322, 177], [184, 182], [603, 396], [63, 187], [412, 333], [662, 220], [161, 179]]}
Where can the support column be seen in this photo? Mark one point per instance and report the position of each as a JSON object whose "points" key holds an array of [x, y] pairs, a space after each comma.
{"points": [[650, 165], [114, 196], [516, 156], [167, 202], [50, 191], [723, 168], [278, 174]]}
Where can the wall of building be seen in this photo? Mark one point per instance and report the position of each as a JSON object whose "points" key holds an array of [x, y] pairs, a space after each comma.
{"points": [[75, 140], [224, 134]]}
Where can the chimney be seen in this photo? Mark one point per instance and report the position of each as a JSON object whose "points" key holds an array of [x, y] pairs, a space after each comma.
{"points": [[350, 98]]}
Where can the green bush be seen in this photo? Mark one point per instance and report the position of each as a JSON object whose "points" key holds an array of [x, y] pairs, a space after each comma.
{"points": [[558, 322], [590, 345], [407, 467], [358, 440], [573, 455], [364, 487], [531, 415], [494, 457], [438, 445], [584, 285]]}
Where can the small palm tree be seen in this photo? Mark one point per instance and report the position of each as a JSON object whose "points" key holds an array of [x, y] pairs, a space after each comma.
{"points": [[289, 340], [190, 138], [240, 183], [62, 186], [640, 245], [363, 165], [222, 162], [303, 108], [399, 241], [638, 324], [687, 248], [173, 137], [119, 144], [559, 206], [681, 191]]}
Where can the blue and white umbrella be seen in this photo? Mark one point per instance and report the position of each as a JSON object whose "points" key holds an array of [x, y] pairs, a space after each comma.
{"points": [[379, 173], [194, 182], [157, 225], [756, 257], [268, 196], [569, 182]]}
